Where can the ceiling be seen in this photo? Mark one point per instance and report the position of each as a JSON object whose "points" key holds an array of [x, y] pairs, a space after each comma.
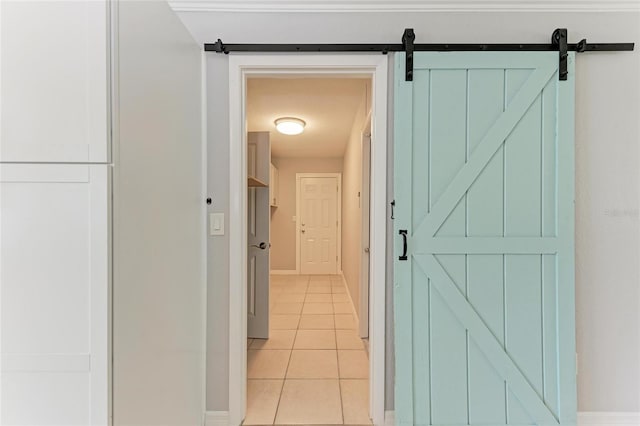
{"points": [[404, 5], [327, 105]]}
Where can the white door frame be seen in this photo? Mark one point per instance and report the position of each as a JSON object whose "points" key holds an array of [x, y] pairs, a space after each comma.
{"points": [[365, 261], [319, 65], [338, 177]]}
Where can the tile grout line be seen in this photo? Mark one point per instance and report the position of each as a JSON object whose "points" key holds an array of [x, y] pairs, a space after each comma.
{"points": [[297, 328], [335, 336], [286, 371]]}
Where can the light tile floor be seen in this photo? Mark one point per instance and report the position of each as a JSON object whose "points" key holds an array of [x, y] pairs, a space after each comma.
{"points": [[313, 369]]}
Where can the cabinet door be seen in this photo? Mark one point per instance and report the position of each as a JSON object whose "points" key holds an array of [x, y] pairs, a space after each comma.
{"points": [[53, 81], [54, 279]]}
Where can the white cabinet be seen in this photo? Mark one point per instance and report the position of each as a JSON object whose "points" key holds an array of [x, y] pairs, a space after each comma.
{"points": [[273, 186], [54, 87], [54, 261], [54, 218], [258, 149]]}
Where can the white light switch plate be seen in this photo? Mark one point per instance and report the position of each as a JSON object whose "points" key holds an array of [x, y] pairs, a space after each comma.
{"points": [[216, 223]]}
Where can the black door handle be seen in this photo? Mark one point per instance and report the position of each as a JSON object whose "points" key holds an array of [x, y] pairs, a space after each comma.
{"points": [[403, 232], [261, 246]]}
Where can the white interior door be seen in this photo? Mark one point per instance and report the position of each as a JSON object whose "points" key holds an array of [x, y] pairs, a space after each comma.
{"points": [[318, 200], [54, 263], [258, 212]]}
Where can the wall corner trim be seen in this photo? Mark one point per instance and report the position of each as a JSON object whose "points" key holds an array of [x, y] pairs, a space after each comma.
{"points": [[602, 418], [389, 418], [216, 418]]}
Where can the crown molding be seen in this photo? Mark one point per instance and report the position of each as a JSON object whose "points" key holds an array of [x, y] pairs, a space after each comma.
{"points": [[290, 6]]}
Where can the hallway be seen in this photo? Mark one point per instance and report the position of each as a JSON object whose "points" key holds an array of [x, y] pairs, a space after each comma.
{"points": [[314, 368]]}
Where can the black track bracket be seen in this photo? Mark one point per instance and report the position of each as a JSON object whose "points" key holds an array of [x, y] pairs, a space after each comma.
{"points": [[559, 39], [219, 47], [407, 43]]}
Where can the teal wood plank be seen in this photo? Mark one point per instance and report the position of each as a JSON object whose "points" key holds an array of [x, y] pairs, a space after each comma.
{"points": [[448, 143], [448, 151], [487, 403], [421, 310], [454, 264], [494, 424], [522, 152], [550, 333], [565, 260], [420, 282], [523, 315], [523, 279], [549, 278], [420, 147], [403, 331], [485, 292], [549, 100], [485, 105], [484, 60], [484, 151], [486, 245], [485, 340], [516, 412], [486, 390], [514, 79], [448, 364]]}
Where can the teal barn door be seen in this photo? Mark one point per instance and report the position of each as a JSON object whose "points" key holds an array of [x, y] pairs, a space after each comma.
{"points": [[484, 191]]}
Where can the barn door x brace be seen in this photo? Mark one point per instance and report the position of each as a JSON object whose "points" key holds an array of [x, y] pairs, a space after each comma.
{"points": [[559, 43]]}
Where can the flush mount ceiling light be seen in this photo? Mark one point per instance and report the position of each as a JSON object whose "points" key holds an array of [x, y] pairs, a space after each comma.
{"points": [[290, 125]]}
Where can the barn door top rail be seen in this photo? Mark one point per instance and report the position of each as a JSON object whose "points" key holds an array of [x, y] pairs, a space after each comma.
{"points": [[559, 43]]}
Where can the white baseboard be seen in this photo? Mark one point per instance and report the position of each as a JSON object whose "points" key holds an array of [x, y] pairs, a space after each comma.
{"points": [[283, 272], [599, 418], [585, 418], [216, 418], [389, 418], [353, 307]]}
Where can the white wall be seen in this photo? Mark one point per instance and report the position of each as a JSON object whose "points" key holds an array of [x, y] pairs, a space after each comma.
{"points": [[159, 288], [351, 203], [607, 156], [218, 246], [283, 228]]}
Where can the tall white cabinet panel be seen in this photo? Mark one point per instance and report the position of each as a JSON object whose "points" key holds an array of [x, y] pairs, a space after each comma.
{"points": [[54, 81], [54, 279]]}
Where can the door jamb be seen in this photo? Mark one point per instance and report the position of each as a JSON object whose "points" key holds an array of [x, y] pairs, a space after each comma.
{"points": [[317, 65], [365, 228]]}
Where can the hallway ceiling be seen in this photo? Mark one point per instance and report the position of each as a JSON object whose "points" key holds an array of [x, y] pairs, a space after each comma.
{"points": [[327, 105]]}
